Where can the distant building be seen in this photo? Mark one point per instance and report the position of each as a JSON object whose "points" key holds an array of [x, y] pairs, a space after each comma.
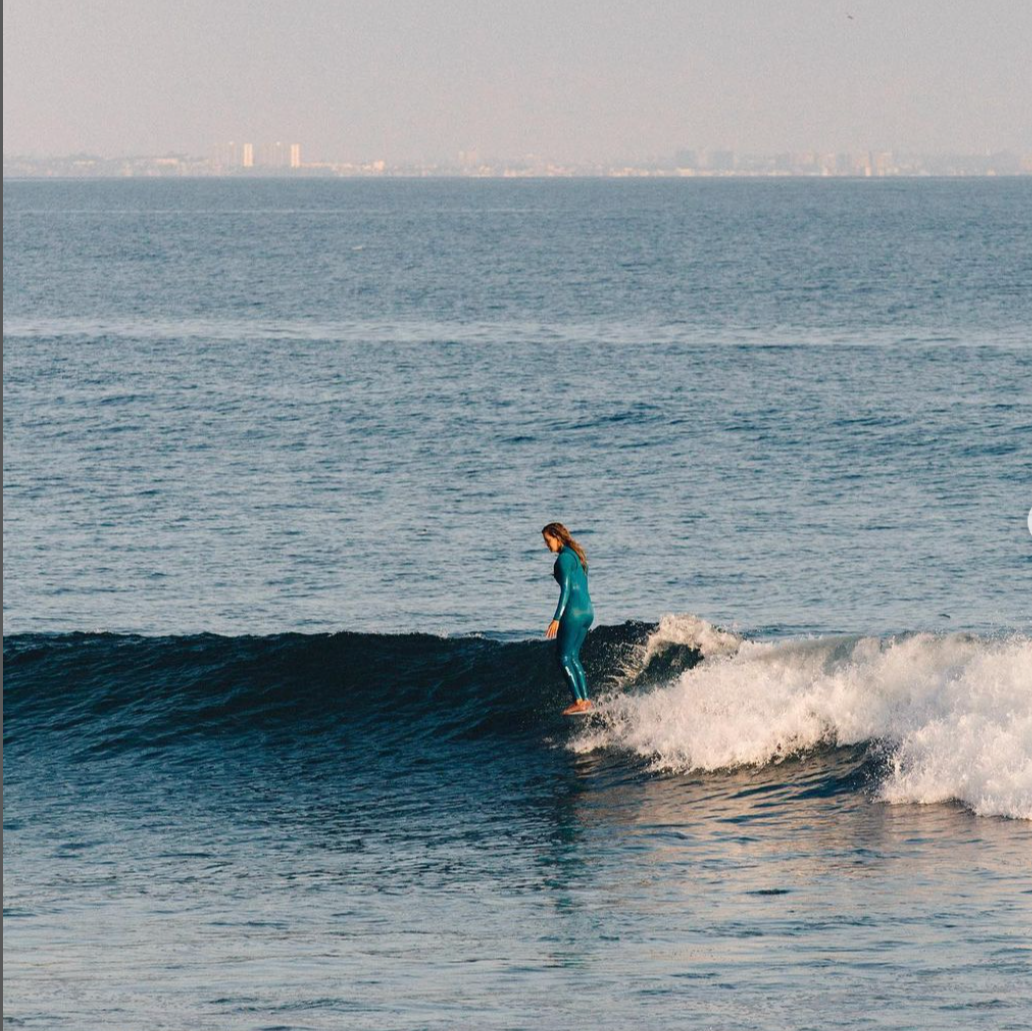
{"points": [[720, 160], [247, 156], [295, 155], [880, 162]]}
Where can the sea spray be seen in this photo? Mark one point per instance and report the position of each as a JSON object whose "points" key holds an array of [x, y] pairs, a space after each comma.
{"points": [[678, 641], [953, 713]]}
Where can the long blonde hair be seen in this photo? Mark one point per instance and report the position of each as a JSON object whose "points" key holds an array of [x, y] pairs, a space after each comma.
{"points": [[561, 534]]}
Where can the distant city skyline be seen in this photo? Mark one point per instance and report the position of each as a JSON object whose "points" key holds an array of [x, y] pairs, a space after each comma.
{"points": [[244, 152], [248, 158], [582, 83]]}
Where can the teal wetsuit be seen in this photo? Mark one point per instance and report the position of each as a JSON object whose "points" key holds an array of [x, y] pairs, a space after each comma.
{"points": [[575, 615]]}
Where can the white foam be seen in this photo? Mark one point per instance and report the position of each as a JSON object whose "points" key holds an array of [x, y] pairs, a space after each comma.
{"points": [[684, 630], [954, 711], [692, 631]]}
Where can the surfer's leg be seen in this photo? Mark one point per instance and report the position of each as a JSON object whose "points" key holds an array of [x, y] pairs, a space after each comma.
{"points": [[578, 666], [566, 653]]}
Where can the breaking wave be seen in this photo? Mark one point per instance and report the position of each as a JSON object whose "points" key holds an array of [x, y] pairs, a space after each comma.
{"points": [[951, 715], [935, 717]]}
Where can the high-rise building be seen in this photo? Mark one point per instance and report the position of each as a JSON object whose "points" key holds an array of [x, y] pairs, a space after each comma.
{"points": [[295, 155], [247, 156]]}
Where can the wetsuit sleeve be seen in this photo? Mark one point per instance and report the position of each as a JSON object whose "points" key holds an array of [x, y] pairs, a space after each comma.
{"points": [[565, 584]]}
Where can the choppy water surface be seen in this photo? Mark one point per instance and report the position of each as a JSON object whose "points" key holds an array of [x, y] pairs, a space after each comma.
{"points": [[281, 743], [250, 407]]}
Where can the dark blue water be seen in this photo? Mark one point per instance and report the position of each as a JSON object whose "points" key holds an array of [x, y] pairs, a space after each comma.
{"points": [[281, 736]]}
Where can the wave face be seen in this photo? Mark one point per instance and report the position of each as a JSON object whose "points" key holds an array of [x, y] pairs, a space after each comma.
{"points": [[104, 693], [951, 715], [938, 717]]}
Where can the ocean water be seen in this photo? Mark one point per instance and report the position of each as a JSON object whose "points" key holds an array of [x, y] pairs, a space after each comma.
{"points": [[281, 734]]}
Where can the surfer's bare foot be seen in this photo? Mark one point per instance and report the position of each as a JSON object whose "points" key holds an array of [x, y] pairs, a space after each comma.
{"points": [[583, 705]]}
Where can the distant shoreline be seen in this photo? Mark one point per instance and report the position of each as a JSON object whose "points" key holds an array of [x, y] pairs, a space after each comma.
{"points": [[747, 176]]}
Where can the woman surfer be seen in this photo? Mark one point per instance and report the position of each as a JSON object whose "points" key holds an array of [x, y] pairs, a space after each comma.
{"points": [[574, 613]]}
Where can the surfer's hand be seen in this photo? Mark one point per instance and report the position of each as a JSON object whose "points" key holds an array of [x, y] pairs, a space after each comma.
{"points": [[553, 629]]}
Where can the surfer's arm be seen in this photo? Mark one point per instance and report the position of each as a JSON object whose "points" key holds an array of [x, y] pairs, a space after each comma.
{"points": [[565, 584]]}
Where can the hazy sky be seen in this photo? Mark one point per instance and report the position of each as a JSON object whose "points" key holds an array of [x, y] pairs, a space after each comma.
{"points": [[577, 81]]}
